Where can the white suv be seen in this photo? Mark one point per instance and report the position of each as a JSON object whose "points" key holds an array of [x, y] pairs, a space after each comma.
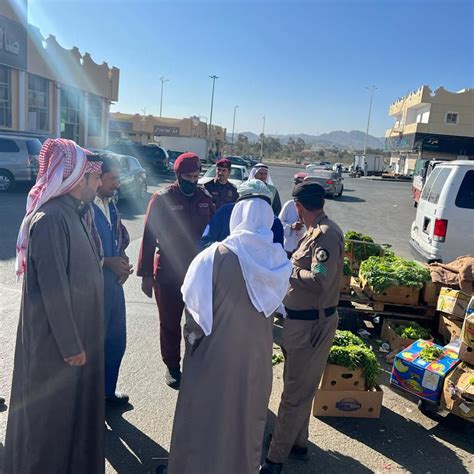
{"points": [[444, 225]]}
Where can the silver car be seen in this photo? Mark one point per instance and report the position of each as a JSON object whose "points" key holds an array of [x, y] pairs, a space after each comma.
{"points": [[18, 160], [329, 180]]}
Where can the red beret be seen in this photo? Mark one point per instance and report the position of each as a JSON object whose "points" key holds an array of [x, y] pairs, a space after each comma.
{"points": [[187, 163], [224, 163]]}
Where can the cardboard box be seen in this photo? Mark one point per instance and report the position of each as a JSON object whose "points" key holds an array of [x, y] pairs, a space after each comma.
{"points": [[422, 378], [336, 377], [467, 334], [453, 302], [394, 340], [348, 403], [430, 293], [458, 392], [466, 354], [403, 295], [345, 284], [449, 326]]}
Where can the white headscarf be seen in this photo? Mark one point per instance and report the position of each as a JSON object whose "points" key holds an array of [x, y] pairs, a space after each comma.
{"points": [[255, 170], [265, 266]]}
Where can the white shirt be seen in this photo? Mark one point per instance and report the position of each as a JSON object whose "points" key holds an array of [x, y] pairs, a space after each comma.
{"points": [[103, 205], [289, 216]]}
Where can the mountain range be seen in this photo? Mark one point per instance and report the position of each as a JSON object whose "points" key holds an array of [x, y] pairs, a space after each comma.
{"points": [[353, 140]]}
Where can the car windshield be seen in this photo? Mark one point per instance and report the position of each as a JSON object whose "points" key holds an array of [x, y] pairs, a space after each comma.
{"points": [[321, 174]]}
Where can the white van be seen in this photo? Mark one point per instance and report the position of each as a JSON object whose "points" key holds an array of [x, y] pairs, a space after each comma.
{"points": [[444, 225]]}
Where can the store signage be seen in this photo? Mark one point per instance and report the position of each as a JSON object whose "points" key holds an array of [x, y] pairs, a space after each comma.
{"points": [[13, 44], [160, 131]]}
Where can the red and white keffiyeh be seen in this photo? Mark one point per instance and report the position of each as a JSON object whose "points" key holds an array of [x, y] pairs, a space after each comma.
{"points": [[62, 164]]}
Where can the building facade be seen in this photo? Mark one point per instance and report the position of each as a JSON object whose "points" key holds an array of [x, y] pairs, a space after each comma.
{"points": [[47, 90], [430, 125], [144, 128]]}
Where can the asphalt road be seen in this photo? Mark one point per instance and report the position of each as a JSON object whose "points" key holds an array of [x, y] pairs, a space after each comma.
{"points": [[402, 440]]}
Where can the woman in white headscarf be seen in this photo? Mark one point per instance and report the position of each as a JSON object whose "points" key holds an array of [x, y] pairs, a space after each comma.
{"points": [[260, 171], [231, 291]]}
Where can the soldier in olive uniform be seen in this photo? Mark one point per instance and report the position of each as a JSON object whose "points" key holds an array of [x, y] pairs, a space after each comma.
{"points": [[221, 190], [310, 326]]}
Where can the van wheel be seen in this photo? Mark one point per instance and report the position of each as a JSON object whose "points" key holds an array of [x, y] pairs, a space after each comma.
{"points": [[7, 181]]}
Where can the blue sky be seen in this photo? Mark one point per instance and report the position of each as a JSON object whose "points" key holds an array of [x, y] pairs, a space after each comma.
{"points": [[303, 64]]}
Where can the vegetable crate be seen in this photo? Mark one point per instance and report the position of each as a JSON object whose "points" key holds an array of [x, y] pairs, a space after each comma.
{"points": [[458, 392], [345, 284], [453, 302], [348, 403], [419, 376], [403, 295], [336, 377], [390, 335], [449, 326]]}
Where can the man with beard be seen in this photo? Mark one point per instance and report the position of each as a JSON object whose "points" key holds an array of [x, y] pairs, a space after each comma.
{"points": [[260, 171], [221, 190], [56, 418], [115, 239], [175, 220]]}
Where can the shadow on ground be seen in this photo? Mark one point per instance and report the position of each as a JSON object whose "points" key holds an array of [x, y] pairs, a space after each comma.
{"points": [[128, 449], [319, 460]]}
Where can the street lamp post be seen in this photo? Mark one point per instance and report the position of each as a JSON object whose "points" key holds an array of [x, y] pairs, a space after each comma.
{"points": [[371, 89], [213, 77], [263, 139], [163, 80], [233, 123]]}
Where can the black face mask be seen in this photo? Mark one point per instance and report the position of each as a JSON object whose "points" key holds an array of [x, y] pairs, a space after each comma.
{"points": [[187, 187]]}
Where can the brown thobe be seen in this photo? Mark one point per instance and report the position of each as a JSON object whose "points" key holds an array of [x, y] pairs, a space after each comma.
{"points": [[226, 385], [56, 417]]}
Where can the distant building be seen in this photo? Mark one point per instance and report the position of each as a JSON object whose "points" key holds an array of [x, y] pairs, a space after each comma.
{"points": [[144, 128], [430, 125], [46, 90]]}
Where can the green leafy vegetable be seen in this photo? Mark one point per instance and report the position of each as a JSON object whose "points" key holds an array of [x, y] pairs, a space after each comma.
{"points": [[347, 270], [431, 353], [357, 357], [277, 358], [390, 271], [347, 338], [412, 331], [361, 246]]}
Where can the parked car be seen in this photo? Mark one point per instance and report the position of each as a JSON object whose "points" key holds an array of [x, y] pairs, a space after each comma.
{"points": [[329, 180], [238, 160], [444, 225], [133, 182], [238, 174], [251, 160], [152, 157], [172, 156], [319, 165], [18, 160]]}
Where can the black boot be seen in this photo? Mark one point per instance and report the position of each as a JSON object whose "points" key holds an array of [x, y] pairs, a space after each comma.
{"points": [[173, 377], [271, 467]]}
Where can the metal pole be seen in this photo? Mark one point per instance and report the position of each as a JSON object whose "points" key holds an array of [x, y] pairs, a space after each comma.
{"points": [[263, 139], [371, 89], [233, 123], [212, 106], [163, 80]]}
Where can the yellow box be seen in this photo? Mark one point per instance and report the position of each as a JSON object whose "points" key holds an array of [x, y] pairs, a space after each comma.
{"points": [[453, 302]]}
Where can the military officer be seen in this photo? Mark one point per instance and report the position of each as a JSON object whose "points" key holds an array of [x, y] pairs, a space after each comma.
{"points": [[221, 190], [310, 326]]}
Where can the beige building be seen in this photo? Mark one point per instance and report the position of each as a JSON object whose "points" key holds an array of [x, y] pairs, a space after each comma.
{"points": [[144, 128], [47, 90], [430, 125]]}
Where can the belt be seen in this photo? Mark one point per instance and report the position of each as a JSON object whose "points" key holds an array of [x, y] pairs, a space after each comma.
{"points": [[309, 314]]}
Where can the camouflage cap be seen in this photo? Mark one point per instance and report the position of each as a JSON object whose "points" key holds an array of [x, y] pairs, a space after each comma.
{"points": [[254, 188]]}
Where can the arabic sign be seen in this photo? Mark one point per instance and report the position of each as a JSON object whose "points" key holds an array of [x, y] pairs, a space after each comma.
{"points": [[400, 143], [452, 144], [160, 131], [13, 44]]}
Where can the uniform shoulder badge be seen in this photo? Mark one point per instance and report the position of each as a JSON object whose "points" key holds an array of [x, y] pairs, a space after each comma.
{"points": [[319, 268], [316, 232], [322, 255]]}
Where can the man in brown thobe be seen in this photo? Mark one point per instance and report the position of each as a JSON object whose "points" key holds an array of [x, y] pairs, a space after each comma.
{"points": [[231, 291], [56, 418]]}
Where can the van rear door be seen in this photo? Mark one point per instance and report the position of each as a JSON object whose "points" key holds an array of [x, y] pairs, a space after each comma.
{"points": [[430, 210]]}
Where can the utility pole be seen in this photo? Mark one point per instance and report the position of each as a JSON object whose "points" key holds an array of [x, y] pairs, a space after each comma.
{"points": [[371, 89], [233, 123], [263, 139], [163, 80], [213, 77]]}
